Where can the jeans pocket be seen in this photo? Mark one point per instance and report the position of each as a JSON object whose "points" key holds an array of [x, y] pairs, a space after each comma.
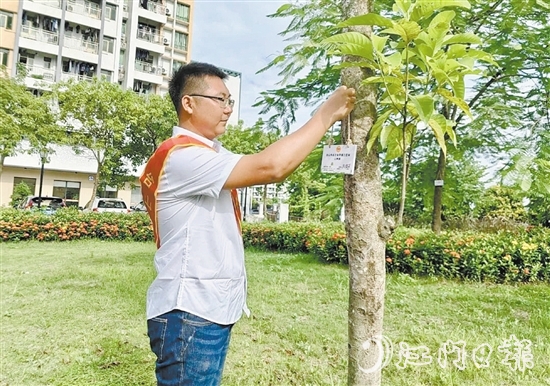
{"points": [[156, 329], [194, 320]]}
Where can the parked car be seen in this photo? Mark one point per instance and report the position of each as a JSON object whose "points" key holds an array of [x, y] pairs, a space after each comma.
{"points": [[116, 205], [139, 207], [48, 205]]}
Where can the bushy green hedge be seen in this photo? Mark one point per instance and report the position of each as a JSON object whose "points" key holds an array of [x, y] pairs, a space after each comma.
{"points": [[70, 224], [521, 255]]}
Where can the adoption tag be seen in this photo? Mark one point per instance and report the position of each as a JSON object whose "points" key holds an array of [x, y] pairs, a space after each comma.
{"points": [[338, 159]]}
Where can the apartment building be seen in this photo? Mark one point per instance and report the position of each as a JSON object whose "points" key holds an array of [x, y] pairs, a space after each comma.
{"points": [[135, 43]]}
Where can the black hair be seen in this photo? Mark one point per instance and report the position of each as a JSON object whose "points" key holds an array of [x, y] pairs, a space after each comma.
{"points": [[189, 79]]}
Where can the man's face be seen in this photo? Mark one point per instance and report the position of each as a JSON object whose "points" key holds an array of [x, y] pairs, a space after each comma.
{"points": [[211, 114]]}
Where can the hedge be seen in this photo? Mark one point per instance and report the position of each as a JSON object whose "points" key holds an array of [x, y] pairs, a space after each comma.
{"points": [[521, 255]]}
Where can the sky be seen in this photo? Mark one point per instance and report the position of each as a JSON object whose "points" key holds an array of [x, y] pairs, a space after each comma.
{"points": [[238, 35]]}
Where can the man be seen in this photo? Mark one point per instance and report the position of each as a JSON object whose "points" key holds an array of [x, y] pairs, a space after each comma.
{"points": [[188, 187]]}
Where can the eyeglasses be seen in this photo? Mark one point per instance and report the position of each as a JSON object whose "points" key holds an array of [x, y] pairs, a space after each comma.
{"points": [[224, 101]]}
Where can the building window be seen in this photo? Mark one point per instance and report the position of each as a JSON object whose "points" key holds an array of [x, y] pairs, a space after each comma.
{"points": [[6, 20], [30, 182], [68, 190], [4, 56], [180, 42], [107, 192], [108, 45], [182, 12], [47, 63], [110, 11], [176, 66]]}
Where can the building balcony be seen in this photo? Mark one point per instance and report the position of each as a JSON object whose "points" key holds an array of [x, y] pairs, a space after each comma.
{"points": [[151, 37], [81, 45], [84, 8], [156, 8], [150, 41], [49, 3], [36, 74], [66, 76], [39, 35], [147, 68]]}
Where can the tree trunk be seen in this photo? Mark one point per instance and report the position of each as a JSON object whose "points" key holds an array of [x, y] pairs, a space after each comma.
{"points": [[96, 185], [438, 193], [2, 158], [404, 177], [264, 199], [365, 227]]}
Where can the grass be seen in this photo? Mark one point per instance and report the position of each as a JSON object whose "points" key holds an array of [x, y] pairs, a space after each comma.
{"points": [[73, 314]]}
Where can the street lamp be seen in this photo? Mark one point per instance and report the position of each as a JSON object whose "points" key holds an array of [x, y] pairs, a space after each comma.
{"points": [[43, 159]]}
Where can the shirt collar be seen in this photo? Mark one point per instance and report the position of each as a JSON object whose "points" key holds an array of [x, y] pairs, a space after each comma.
{"points": [[215, 144]]}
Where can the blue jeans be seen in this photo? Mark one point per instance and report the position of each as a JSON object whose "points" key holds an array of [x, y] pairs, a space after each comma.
{"points": [[190, 350]]}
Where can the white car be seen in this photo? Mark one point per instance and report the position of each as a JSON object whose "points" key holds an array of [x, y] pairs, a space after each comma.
{"points": [[116, 205]]}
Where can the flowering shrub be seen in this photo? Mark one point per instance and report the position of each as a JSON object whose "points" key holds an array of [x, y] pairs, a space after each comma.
{"points": [[70, 224], [521, 255]]}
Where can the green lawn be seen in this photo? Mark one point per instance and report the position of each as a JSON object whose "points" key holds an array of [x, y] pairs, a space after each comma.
{"points": [[73, 314]]}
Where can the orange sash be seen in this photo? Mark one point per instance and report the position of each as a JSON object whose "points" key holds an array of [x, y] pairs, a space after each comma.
{"points": [[153, 171]]}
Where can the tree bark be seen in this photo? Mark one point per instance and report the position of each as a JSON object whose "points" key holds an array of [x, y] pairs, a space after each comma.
{"points": [[365, 227], [438, 193]]}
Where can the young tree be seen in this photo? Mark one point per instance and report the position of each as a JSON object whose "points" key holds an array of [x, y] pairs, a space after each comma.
{"points": [[24, 117], [242, 140], [153, 119], [96, 115]]}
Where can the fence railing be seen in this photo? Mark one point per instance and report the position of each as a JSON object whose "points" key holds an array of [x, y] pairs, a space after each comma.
{"points": [[87, 7], [81, 45], [49, 3], [36, 72], [147, 68], [147, 36], [39, 35]]}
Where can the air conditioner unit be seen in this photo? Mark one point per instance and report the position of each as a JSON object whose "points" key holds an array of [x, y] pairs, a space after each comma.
{"points": [[166, 42], [167, 11], [69, 8], [164, 71]]}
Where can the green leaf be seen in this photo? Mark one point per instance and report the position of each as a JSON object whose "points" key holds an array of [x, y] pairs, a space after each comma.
{"points": [[367, 19], [385, 79], [461, 103], [391, 139], [352, 43], [423, 8], [374, 132], [442, 20], [526, 182], [465, 38], [393, 60], [459, 88], [424, 105], [379, 42], [283, 8], [411, 30], [403, 7], [451, 132], [438, 123]]}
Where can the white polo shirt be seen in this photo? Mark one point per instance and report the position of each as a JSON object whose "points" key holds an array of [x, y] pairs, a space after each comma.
{"points": [[200, 263]]}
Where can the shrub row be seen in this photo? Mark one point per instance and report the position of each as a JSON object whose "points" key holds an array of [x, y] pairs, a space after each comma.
{"points": [[70, 224], [520, 255]]}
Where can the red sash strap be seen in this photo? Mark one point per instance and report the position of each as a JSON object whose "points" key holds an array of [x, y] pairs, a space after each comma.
{"points": [[153, 171]]}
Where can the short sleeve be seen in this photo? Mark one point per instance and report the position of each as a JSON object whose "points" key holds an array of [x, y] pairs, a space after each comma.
{"points": [[195, 170]]}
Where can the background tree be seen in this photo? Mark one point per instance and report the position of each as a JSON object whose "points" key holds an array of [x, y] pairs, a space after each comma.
{"points": [[242, 140], [153, 119], [96, 115], [24, 117], [502, 103]]}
